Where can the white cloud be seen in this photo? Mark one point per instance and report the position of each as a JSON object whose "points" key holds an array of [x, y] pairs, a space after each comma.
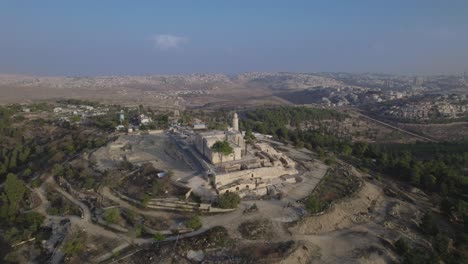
{"points": [[167, 41]]}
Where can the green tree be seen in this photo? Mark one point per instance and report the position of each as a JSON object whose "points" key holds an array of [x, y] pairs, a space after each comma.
{"points": [[428, 181], [360, 148], [229, 200], [12, 235], [75, 244], [3, 169], [222, 148], [12, 197], [13, 159], [27, 172], [282, 133], [440, 244], [249, 135], [111, 216], [146, 199], [428, 225], [347, 150], [32, 220], [415, 177], [24, 155], [58, 170]]}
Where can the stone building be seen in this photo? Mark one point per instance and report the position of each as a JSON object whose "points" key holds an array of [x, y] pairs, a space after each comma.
{"points": [[268, 167], [205, 140]]}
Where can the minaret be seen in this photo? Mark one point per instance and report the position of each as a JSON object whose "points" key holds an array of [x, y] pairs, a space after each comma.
{"points": [[235, 122]]}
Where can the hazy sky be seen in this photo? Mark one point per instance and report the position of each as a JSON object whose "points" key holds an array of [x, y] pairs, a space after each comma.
{"points": [[99, 37]]}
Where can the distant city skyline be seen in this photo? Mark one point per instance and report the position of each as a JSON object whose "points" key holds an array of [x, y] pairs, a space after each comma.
{"points": [[102, 38]]}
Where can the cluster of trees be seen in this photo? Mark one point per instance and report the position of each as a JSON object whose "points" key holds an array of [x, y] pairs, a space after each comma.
{"points": [[106, 122], [18, 226], [434, 167], [80, 177], [30, 151], [5, 114], [11, 198], [439, 241], [274, 121], [12, 160], [6, 130], [304, 127], [71, 143], [60, 205]]}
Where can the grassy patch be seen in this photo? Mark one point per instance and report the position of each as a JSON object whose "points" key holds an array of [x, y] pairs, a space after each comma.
{"points": [[337, 184]]}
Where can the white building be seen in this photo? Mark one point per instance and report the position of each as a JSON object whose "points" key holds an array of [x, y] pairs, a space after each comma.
{"points": [[144, 119]]}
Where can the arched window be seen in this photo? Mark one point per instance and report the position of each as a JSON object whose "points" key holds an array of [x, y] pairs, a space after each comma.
{"points": [[237, 188], [247, 186]]}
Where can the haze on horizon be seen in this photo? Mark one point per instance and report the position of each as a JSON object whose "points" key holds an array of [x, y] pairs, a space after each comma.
{"points": [[156, 37]]}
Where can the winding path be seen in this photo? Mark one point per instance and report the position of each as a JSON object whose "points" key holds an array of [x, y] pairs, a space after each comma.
{"points": [[87, 225]]}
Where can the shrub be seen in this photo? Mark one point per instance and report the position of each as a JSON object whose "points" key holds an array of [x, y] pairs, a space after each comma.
{"points": [[194, 223], [229, 200], [145, 200], [36, 183], [402, 246], [313, 205], [75, 244], [158, 237], [111, 216], [428, 225]]}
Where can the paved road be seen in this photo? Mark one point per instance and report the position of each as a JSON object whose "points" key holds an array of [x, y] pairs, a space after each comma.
{"points": [[397, 128]]}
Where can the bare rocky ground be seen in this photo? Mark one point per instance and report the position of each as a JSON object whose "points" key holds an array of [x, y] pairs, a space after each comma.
{"points": [[173, 96]]}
